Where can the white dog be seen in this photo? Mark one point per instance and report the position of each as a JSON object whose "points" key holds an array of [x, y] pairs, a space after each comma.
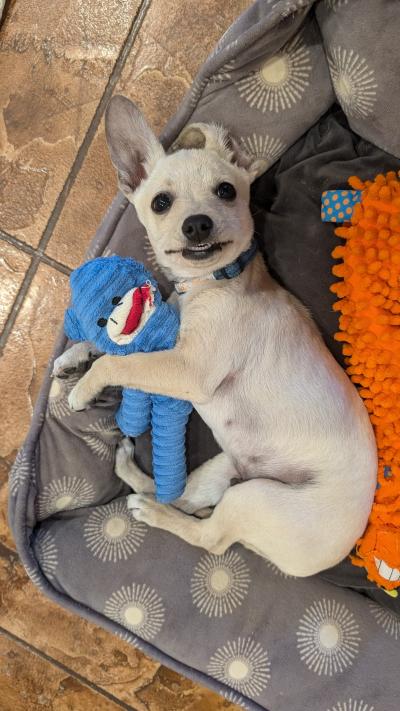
{"points": [[292, 427]]}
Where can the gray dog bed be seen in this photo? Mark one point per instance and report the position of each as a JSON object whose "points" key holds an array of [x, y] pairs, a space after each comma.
{"points": [[310, 89]]}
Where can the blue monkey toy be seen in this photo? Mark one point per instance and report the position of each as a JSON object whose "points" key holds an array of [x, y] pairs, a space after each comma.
{"points": [[116, 305]]}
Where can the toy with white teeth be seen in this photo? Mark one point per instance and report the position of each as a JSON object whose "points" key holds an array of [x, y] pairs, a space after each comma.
{"points": [[116, 305]]}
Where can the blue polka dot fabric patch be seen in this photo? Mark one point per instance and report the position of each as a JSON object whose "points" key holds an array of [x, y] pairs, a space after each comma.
{"points": [[338, 205]]}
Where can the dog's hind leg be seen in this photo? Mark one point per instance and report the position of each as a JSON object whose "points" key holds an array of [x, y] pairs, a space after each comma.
{"points": [[203, 533], [127, 469], [205, 486], [280, 523]]}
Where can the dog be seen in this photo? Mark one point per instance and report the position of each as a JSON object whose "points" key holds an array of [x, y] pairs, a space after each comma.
{"points": [[296, 439]]}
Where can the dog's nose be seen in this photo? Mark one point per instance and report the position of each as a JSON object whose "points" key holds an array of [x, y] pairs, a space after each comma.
{"points": [[197, 227]]}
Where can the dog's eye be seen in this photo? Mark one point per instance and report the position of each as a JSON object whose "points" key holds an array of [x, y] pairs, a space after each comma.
{"points": [[102, 322], [161, 203], [116, 300], [226, 191]]}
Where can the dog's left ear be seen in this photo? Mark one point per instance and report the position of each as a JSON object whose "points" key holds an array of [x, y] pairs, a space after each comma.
{"points": [[216, 138], [134, 149]]}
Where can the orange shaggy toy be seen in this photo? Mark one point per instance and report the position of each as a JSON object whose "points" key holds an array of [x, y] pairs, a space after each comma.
{"points": [[369, 329]]}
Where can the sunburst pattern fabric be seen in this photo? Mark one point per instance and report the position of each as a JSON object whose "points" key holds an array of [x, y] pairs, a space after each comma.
{"points": [[354, 82], [234, 698], [352, 705], [112, 534], [219, 583], [280, 82], [137, 607], [47, 553], [20, 471], [328, 637], [335, 4], [97, 437], [242, 664], [387, 619], [263, 147], [64, 494], [58, 406]]}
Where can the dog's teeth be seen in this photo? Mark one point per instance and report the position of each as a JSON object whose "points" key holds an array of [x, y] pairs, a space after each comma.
{"points": [[206, 245]]}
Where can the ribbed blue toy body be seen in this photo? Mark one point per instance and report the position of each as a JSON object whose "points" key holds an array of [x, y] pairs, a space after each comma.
{"points": [[167, 418], [94, 285], [133, 416], [168, 426]]}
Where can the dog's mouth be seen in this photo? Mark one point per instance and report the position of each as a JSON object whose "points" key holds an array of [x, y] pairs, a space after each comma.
{"points": [[204, 250]]}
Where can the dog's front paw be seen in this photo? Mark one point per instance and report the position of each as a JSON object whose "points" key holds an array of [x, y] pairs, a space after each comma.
{"points": [[76, 359], [145, 508], [78, 399], [64, 366]]}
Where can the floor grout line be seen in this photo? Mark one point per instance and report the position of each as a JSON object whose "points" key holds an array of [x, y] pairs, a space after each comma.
{"points": [[18, 301], [86, 682], [76, 166], [34, 252]]}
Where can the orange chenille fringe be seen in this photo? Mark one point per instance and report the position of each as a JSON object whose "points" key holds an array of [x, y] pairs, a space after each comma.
{"points": [[369, 306]]}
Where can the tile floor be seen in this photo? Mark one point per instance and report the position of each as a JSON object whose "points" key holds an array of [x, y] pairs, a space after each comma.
{"points": [[59, 64]]}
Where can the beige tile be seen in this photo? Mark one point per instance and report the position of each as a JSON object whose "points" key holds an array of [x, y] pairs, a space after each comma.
{"points": [[13, 265], [27, 353], [30, 683], [166, 55], [5, 534], [55, 60], [184, 31], [93, 191]]}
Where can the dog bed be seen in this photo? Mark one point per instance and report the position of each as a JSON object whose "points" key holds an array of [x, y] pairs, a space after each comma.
{"points": [[309, 88]]}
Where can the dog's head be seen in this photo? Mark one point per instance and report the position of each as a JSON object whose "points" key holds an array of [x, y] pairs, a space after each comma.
{"points": [[193, 201]]}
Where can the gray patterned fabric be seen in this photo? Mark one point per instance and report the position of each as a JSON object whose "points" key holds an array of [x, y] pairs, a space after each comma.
{"points": [[233, 622]]}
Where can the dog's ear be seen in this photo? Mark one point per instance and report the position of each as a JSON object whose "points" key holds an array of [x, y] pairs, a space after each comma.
{"points": [[217, 138], [134, 149], [253, 165]]}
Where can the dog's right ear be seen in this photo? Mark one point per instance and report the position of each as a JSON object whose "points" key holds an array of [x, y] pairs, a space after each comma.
{"points": [[134, 149]]}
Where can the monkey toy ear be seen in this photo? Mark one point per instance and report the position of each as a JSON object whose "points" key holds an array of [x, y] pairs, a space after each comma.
{"points": [[71, 326]]}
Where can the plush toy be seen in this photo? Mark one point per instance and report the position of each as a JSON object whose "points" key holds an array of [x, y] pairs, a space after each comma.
{"points": [[369, 307], [117, 306]]}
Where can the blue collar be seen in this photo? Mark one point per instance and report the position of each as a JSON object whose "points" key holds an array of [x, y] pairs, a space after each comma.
{"points": [[231, 270]]}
